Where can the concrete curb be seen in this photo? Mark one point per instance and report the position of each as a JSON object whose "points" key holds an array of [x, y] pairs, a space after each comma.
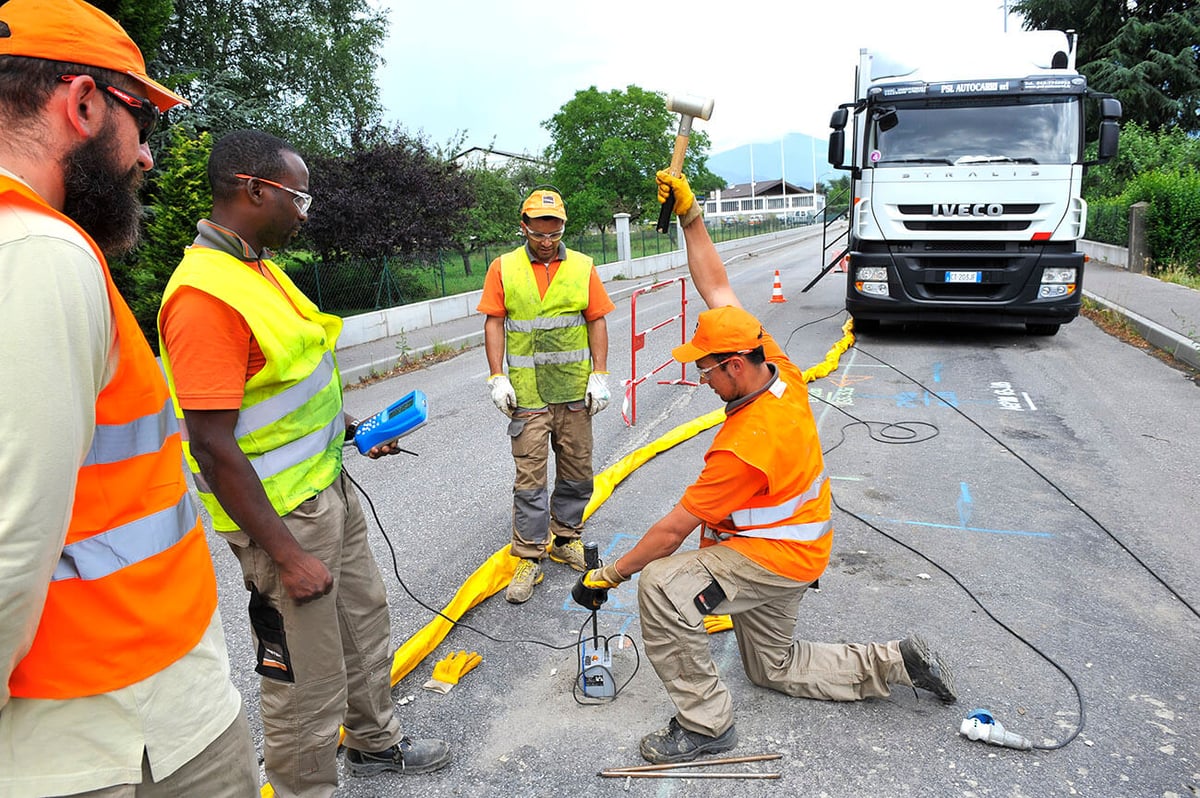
{"points": [[1178, 346]]}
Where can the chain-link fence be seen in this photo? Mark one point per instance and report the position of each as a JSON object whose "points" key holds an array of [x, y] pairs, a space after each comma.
{"points": [[1108, 221], [348, 287]]}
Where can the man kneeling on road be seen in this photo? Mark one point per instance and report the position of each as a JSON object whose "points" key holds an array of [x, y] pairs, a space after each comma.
{"points": [[763, 499]]}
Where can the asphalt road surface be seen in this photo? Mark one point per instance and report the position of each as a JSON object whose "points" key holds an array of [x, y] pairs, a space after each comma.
{"points": [[1027, 504]]}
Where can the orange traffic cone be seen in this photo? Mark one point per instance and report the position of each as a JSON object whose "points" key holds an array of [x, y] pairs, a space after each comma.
{"points": [[777, 289]]}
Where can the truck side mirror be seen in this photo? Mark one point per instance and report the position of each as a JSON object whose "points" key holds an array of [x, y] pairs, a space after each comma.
{"points": [[837, 148], [838, 119], [1110, 108], [1108, 141], [886, 118]]}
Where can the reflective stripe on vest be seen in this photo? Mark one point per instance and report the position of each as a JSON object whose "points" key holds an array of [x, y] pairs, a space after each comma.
{"points": [[798, 532], [763, 516], [134, 588], [291, 454], [100, 555], [115, 442], [273, 408]]}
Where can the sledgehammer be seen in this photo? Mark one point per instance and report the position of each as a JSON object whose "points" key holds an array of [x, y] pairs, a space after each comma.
{"points": [[688, 108]]}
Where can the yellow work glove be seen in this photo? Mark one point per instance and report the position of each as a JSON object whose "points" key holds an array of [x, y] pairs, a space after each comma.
{"points": [[717, 623], [686, 207], [591, 591], [452, 668], [603, 578]]}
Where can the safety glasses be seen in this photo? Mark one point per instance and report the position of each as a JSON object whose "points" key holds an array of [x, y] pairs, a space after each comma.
{"points": [[551, 238], [301, 200], [145, 112]]}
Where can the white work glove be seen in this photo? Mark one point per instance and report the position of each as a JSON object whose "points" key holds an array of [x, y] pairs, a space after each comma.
{"points": [[597, 395], [503, 395]]}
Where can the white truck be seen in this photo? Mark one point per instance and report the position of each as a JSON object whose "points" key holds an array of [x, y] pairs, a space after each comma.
{"points": [[966, 168]]}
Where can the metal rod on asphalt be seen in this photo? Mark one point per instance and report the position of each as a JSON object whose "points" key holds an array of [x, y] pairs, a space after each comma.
{"points": [[683, 774], [729, 760]]}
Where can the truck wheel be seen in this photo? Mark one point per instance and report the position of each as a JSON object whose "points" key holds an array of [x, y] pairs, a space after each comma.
{"points": [[1042, 329], [866, 325]]}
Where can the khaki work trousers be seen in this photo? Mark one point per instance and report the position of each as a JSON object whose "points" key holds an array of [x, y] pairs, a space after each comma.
{"points": [[338, 649], [567, 429], [764, 607], [227, 768]]}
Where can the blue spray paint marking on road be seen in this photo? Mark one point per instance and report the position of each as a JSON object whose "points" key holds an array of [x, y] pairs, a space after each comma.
{"points": [[937, 372], [1018, 532], [908, 399], [964, 506]]}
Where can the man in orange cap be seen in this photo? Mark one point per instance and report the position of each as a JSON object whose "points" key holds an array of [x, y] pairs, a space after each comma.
{"points": [[114, 677], [763, 502], [545, 307]]}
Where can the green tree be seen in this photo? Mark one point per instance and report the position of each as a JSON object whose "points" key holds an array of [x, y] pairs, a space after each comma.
{"points": [[143, 20], [301, 69], [493, 216], [606, 147], [1144, 53], [395, 197], [1142, 151], [181, 197]]}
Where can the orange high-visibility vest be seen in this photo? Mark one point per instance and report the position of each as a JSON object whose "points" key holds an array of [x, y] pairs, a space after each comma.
{"points": [[776, 434], [134, 588]]}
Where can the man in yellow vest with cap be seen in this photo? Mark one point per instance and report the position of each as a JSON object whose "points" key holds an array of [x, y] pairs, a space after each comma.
{"points": [[762, 502], [114, 677], [251, 365], [545, 307]]}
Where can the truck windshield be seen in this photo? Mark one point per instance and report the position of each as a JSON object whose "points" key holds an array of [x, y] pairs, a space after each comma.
{"points": [[1042, 130]]}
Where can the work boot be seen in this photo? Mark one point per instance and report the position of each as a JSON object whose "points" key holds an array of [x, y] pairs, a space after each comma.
{"points": [[569, 553], [520, 589], [408, 756], [927, 669], [677, 744]]}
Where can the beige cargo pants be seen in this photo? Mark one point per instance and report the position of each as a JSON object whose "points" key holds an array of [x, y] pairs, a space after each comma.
{"points": [[764, 607], [336, 650]]}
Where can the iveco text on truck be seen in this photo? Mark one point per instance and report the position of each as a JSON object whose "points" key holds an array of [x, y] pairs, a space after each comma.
{"points": [[966, 172]]}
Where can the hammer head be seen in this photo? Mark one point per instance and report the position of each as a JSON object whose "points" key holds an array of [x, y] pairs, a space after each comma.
{"points": [[699, 107]]}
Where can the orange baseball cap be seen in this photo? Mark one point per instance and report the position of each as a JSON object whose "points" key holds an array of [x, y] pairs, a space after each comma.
{"points": [[719, 330], [78, 33], [544, 203]]}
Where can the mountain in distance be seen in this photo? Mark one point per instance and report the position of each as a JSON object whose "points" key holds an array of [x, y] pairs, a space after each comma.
{"points": [[794, 161]]}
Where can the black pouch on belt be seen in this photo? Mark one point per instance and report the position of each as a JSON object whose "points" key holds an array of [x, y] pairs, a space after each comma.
{"points": [[274, 661]]}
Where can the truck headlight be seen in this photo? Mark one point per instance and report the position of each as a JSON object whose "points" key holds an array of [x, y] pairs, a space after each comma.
{"points": [[870, 273], [1059, 275]]}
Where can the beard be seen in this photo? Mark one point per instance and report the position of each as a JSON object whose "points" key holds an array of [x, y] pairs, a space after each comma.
{"points": [[102, 196]]}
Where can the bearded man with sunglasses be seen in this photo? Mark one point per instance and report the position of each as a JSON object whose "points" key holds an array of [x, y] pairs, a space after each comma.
{"points": [[114, 676], [545, 307], [250, 363], [762, 502]]}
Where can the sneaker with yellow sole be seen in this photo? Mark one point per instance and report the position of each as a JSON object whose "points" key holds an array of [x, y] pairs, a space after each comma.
{"points": [[570, 553], [527, 574]]}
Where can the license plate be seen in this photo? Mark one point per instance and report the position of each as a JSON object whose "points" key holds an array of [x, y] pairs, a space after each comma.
{"points": [[963, 277]]}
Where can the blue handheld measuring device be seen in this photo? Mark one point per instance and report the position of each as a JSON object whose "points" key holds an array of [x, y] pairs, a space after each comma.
{"points": [[398, 419]]}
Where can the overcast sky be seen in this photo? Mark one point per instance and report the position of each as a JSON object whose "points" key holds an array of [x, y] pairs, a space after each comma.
{"points": [[496, 69]]}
